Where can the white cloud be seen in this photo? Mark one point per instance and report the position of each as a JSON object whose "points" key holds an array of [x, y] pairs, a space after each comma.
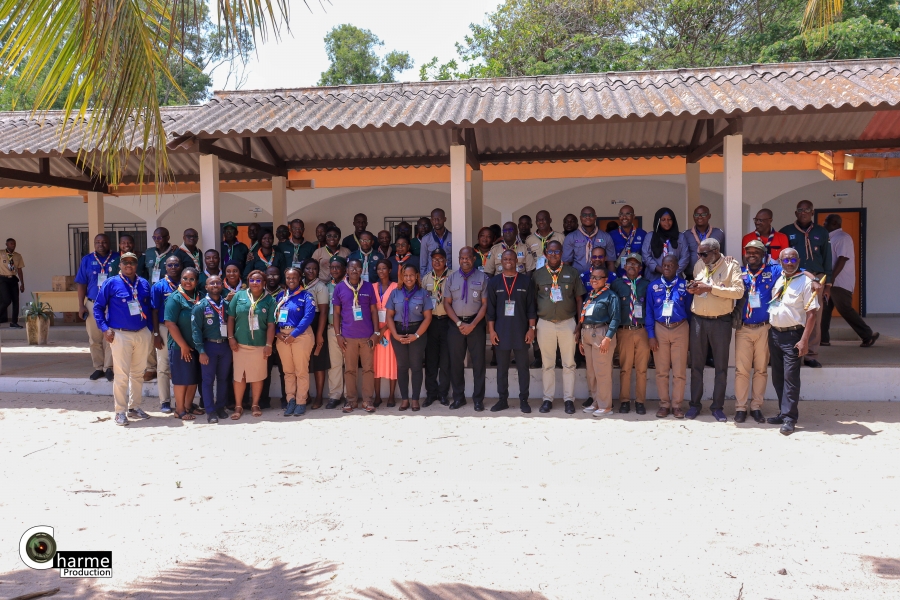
{"points": [[424, 28]]}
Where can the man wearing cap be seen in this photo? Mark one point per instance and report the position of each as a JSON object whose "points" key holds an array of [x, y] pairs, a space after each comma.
{"points": [[668, 310], [627, 238], [233, 251], [94, 270], [631, 336], [121, 310], [295, 249]]}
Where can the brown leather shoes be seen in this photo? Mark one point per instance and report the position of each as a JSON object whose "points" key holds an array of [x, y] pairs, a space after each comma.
{"points": [[663, 412], [678, 413], [149, 375]]}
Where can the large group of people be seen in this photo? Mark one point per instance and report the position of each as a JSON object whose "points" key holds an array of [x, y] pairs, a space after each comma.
{"points": [[406, 308]]}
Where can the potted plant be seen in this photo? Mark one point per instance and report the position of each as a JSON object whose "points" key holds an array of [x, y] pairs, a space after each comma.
{"points": [[38, 317]]}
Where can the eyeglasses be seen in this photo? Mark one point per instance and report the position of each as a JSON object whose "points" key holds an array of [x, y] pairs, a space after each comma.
{"points": [[790, 261], [192, 237], [598, 257], [804, 210], [626, 214], [507, 230], [600, 278], [553, 252], [157, 238], [701, 215], [589, 215], [758, 220], [255, 280], [703, 254]]}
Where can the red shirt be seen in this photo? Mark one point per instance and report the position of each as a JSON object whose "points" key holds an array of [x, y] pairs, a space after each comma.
{"points": [[779, 242]]}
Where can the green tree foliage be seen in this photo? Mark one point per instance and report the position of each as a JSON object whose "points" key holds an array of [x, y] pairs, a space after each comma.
{"points": [[542, 37], [351, 51]]}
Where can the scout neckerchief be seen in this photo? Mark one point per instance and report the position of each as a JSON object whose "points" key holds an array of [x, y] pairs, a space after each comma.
{"points": [[253, 247], [233, 290], [274, 293], [104, 263], [160, 258], [544, 240], [230, 249], [365, 257], [208, 274], [193, 300], [809, 252], [261, 257], [253, 304], [669, 288], [589, 245], [171, 283], [403, 259], [440, 240], [555, 275], [632, 285], [590, 299], [220, 308], [465, 290], [194, 256], [439, 284], [482, 255], [355, 290], [753, 277], [11, 260], [134, 294], [628, 239], [296, 252], [768, 243], [700, 237], [407, 296], [286, 297]]}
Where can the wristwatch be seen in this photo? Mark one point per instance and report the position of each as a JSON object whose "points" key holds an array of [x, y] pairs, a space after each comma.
{"points": [[533, 328], [155, 334], [458, 323], [417, 336]]}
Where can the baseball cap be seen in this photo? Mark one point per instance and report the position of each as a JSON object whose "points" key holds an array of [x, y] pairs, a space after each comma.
{"points": [[634, 256], [229, 224], [130, 255], [755, 244]]}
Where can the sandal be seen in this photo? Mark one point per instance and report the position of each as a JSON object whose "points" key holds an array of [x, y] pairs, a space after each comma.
{"points": [[348, 408], [238, 411], [315, 405], [186, 416], [367, 406], [257, 411], [377, 402], [196, 410]]}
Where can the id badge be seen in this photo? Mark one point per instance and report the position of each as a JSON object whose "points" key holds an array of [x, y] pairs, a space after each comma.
{"points": [[754, 300], [556, 294], [357, 313], [541, 261], [283, 315], [134, 308], [481, 268], [384, 341], [668, 305], [223, 329], [297, 265], [382, 315], [330, 308], [510, 309], [101, 277], [638, 311], [590, 310], [365, 275], [156, 276], [774, 304], [254, 322], [622, 260]]}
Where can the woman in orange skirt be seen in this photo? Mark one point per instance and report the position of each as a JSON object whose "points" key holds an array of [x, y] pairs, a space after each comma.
{"points": [[385, 360]]}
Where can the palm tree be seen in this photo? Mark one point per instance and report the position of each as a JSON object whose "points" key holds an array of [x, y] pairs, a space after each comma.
{"points": [[820, 14]]}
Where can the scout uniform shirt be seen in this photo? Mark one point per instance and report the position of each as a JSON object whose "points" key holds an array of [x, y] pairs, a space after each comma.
{"points": [[435, 286], [511, 303], [319, 292], [190, 259], [556, 295], [159, 295], [578, 245], [94, 270], [179, 307], [263, 309], [626, 243], [256, 262], [295, 254], [430, 243], [602, 309], [814, 247], [693, 237], [632, 300], [415, 302], [324, 256], [330, 287], [155, 264], [236, 254], [791, 298], [466, 291], [536, 244], [725, 278], [759, 286], [10, 263], [369, 262], [524, 258], [667, 302], [295, 310], [122, 304], [209, 321]]}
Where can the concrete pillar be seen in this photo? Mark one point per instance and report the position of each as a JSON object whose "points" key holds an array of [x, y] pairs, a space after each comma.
{"points": [[477, 187], [692, 193], [733, 194], [96, 222], [209, 202], [279, 201], [460, 204]]}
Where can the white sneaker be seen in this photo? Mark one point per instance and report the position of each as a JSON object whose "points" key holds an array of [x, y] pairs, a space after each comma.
{"points": [[588, 409], [601, 412]]}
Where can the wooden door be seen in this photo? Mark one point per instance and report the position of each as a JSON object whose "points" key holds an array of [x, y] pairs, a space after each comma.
{"points": [[853, 221]]}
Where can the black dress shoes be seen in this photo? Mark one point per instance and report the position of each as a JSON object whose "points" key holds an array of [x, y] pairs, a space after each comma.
{"points": [[109, 375], [776, 420], [501, 405], [757, 416], [428, 402], [220, 412], [96, 375], [811, 362], [457, 404], [537, 364], [587, 402], [445, 401], [546, 407], [625, 407], [639, 408], [570, 407], [479, 405], [740, 416], [524, 406], [333, 404], [787, 428]]}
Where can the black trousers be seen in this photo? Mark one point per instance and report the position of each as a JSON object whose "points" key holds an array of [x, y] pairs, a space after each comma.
{"points": [[437, 359], [9, 296], [715, 333], [474, 344], [410, 357], [264, 398], [503, 358], [842, 300], [786, 363]]}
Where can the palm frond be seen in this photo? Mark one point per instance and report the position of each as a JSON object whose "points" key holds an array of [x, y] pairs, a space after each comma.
{"points": [[821, 14]]}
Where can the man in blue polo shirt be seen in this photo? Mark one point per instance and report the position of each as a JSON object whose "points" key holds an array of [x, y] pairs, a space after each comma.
{"points": [[666, 321], [95, 268], [578, 245], [627, 238], [122, 310]]}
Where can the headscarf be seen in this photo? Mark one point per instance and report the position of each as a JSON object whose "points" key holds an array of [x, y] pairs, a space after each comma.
{"points": [[661, 236]]}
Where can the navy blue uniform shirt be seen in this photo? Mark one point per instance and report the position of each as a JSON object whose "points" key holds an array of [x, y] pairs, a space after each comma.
{"points": [[297, 311]]}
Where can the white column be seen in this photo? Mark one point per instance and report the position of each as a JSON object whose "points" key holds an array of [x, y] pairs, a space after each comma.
{"points": [[96, 222], [477, 188], [460, 204], [279, 201], [692, 192], [733, 196], [209, 201]]}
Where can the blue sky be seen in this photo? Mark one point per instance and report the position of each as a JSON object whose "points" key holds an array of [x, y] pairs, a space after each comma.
{"points": [[424, 28]]}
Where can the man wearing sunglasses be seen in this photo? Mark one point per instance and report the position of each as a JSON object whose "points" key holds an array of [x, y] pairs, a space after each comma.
{"points": [[792, 315], [717, 285], [813, 248], [701, 231]]}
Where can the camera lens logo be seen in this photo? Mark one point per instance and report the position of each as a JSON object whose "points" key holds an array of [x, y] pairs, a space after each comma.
{"points": [[38, 547]]}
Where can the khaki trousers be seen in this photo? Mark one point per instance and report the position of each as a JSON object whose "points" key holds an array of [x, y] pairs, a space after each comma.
{"points": [[672, 354], [295, 364], [599, 365], [634, 353], [336, 371], [163, 375], [751, 361], [129, 356], [359, 352], [551, 335], [151, 358], [101, 357]]}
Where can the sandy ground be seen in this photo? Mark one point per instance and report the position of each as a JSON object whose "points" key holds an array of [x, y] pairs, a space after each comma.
{"points": [[442, 505]]}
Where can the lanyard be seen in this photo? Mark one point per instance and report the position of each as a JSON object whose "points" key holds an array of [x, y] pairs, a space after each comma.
{"points": [[269, 262], [356, 239], [439, 284], [510, 289], [628, 239], [555, 276], [709, 273], [440, 240], [229, 249], [593, 296], [194, 257], [544, 240], [787, 282], [253, 304], [669, 288], [134, 294], [296, 249], [286, 297], [355, 291], [193, 300], [753, 277], [330, 253], [220, 309], [160, 258], [104, 263]]}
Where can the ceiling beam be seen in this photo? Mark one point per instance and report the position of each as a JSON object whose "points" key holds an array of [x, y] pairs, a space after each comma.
{"points": [[246, 147], [369, 163], [270, 149], [208, 147], [472, 149], [597, 154], [821, 146], [95, 185], [735, 126], [698, 131]]}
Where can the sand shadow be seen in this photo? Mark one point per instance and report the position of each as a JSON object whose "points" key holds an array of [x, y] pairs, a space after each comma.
{"points": [[413, 590], [885, 568]]}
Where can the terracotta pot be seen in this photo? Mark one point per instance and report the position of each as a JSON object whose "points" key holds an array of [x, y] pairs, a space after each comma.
{"points": [[37, 330]]}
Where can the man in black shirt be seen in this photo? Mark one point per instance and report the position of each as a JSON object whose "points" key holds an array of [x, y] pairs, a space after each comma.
{"points": [[511, 319]]}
